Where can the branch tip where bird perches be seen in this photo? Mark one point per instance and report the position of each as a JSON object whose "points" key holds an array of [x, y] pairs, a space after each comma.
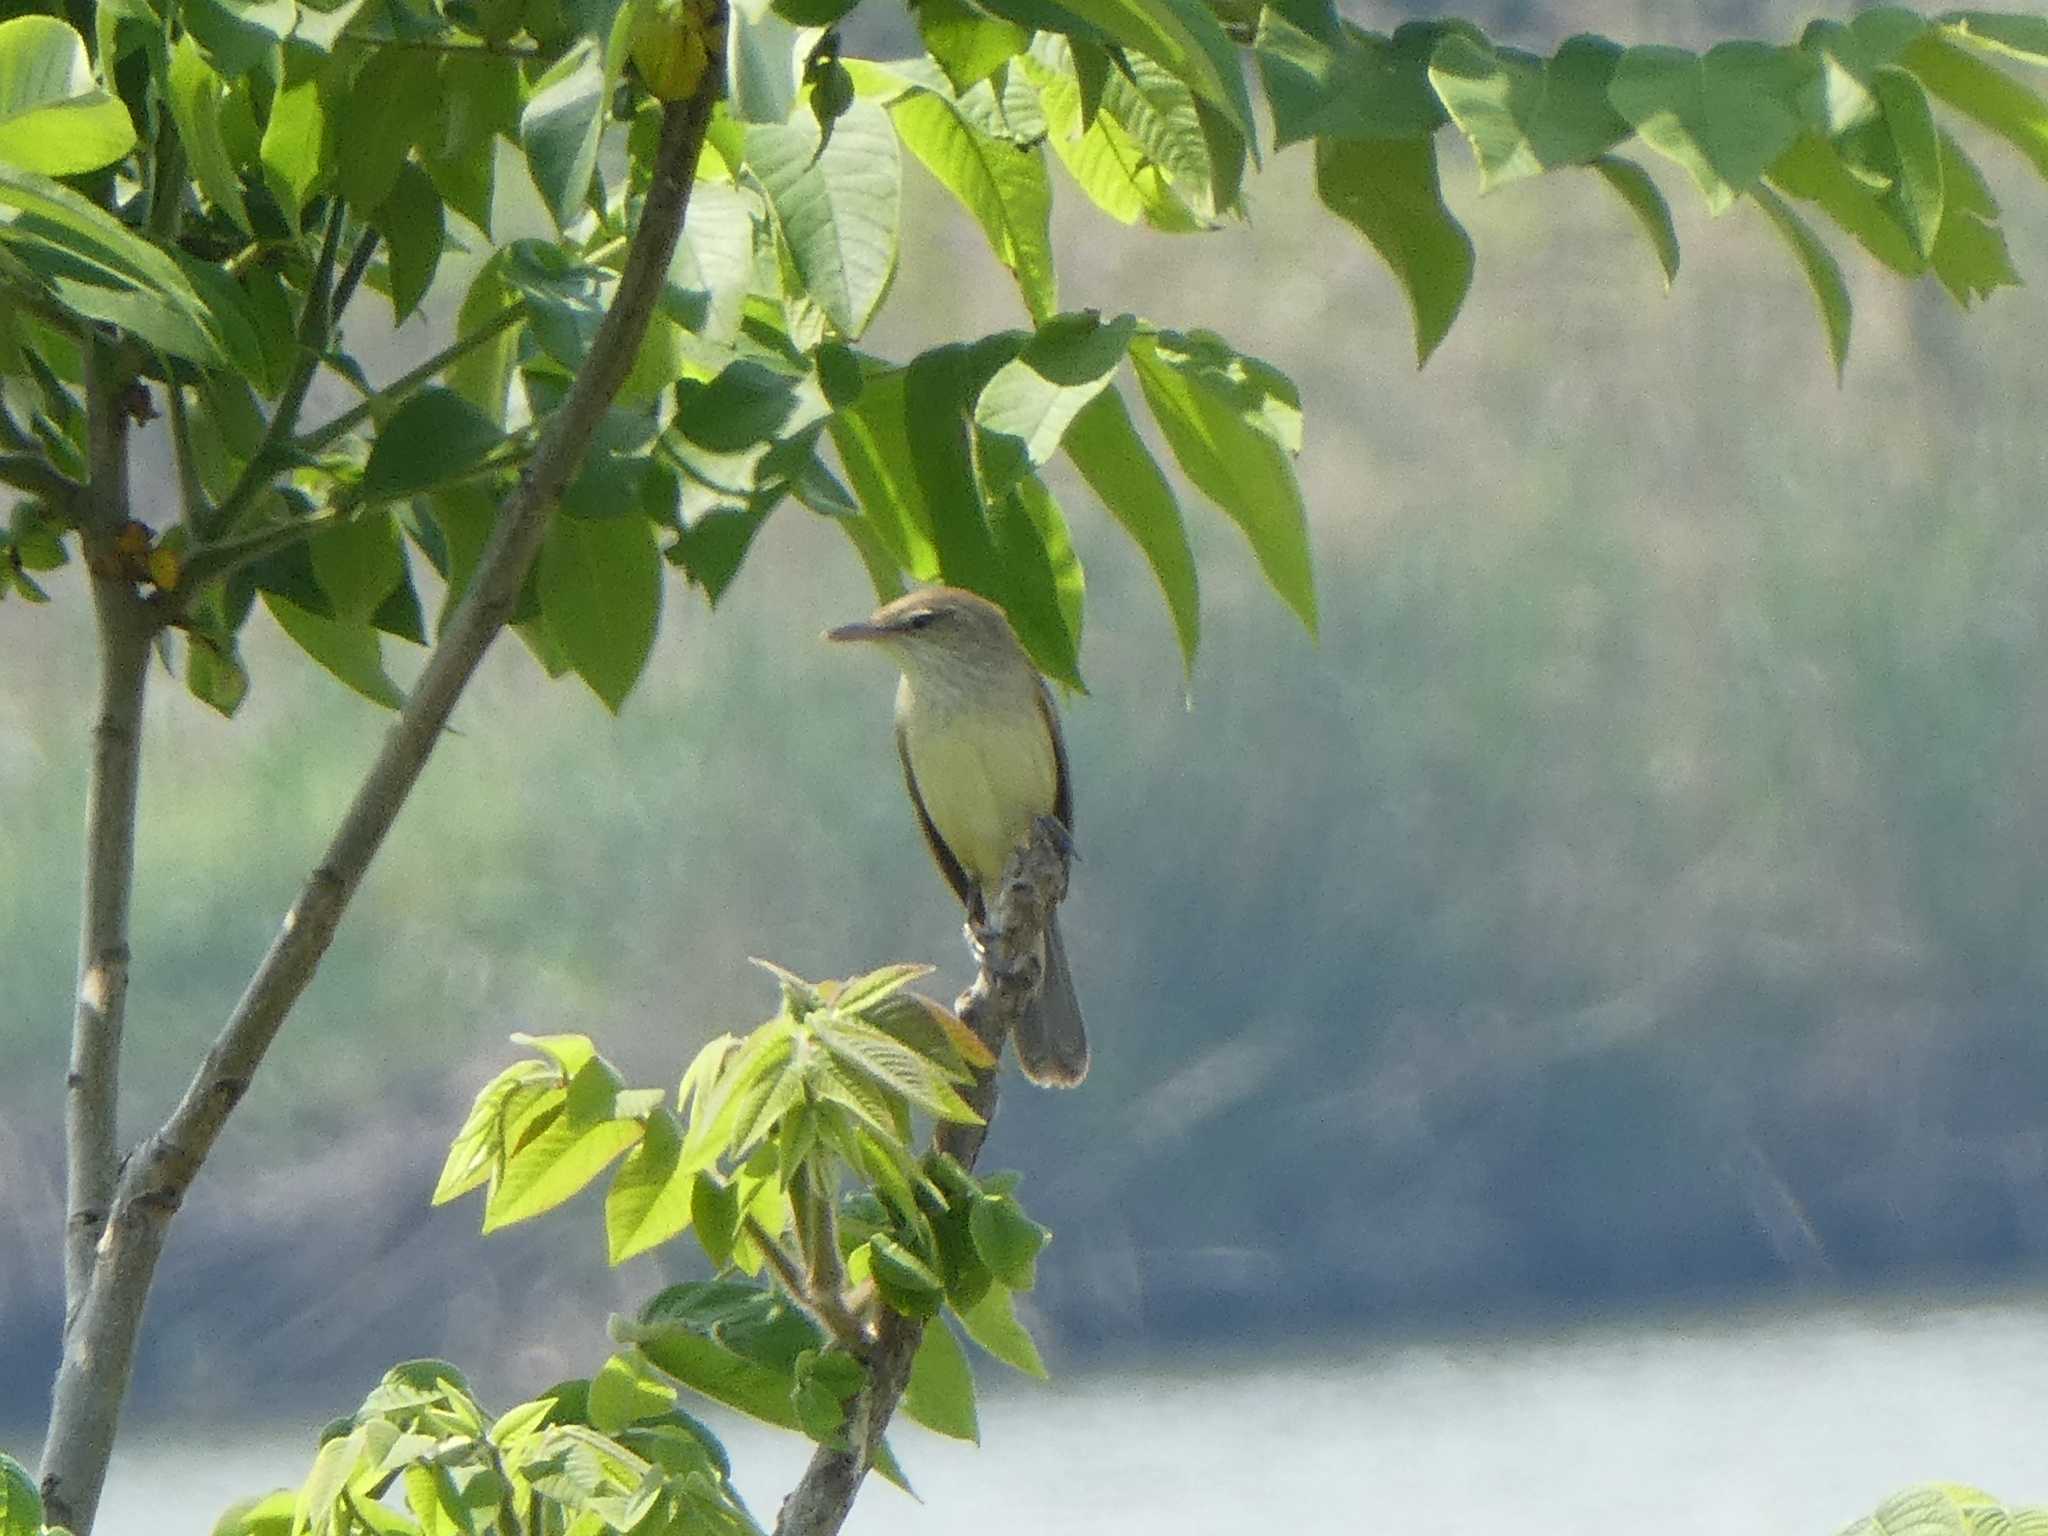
{"points": [[1008, 949]]}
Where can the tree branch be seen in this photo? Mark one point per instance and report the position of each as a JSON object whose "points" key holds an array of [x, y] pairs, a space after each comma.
{"points": [[93, 1081], [92, 1378], [39, 477], [1033, 885]]}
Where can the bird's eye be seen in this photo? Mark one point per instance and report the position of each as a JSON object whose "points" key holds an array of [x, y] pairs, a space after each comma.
{"points": [[920, 620]]}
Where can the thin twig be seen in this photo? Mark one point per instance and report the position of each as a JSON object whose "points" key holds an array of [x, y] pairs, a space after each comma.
{"points": [[39, 477], [828, 1307], [1033, 885], [316, 323], [320, 436], [92, 1378]]}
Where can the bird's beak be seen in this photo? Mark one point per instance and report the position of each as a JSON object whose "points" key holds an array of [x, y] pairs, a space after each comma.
{"points": [[861, 631]]}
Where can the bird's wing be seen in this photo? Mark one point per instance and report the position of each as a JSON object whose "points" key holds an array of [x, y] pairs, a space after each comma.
{"points": [[1063, 794], [970, 898]]}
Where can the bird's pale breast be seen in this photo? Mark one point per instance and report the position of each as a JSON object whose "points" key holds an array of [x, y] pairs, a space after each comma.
{"points": [[985, 775]]}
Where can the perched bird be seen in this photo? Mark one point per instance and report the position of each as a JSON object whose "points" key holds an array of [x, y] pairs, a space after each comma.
{"points": [[983, 759]]}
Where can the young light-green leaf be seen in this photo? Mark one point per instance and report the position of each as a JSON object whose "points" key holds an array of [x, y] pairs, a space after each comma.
{"points": [[196, 94], [992, 1323], [350, 649], [1003, 186], [55, 118], [648, 1202], [941, 1391], [555, 1165]]}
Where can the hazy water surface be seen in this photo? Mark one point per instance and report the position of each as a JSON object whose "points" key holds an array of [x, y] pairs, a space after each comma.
{"points": [[1760, 1424]]}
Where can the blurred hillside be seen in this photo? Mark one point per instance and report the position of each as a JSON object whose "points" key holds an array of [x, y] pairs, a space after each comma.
{"points": [[1640, 889]]}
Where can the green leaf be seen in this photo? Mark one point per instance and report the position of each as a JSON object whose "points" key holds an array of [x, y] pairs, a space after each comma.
{"points": [[992, 1323], [1232, 423], [907, 1283], [2016, 36], [295, 150], [1007, 1240], [1724, 116], [1916, 194], [1028, 404], [894, 1066], [600, 588], [351, 651], [414, 231], [560, 129], [1183, 37], [238, 35], [1814, 169], [649, 1202], [837, 207], [941, 1391], [1106, 448], [736, 1344], [623, 1391], [435, 437], [1098, 151], [1984, 93], [480, 1145], [392, 104], [857, 994], [764, 62], [733, 1103], [1003, 186], [965, 41], [1829, 291], [358, 564], [21, 1506], [554, 1166], [1044, 587], [1632, 184], [715, 1212], [1388, 191], [55, 118], [713, 265], [1970, 257], [1524, 115], [483, 378], [196, 95], [1349, 83]]}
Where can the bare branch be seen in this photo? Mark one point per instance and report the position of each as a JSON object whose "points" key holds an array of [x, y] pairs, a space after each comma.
{"points": [[99, 1349], [1033, 885], [93, 1081]]}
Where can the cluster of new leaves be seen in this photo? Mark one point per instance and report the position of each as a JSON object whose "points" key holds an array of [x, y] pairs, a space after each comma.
{"points": [[1948, 1509], [422, 1458], [788, 1154]]}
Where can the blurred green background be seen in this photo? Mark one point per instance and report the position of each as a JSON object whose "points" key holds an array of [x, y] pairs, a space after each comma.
{"points": [[1638, 893]]}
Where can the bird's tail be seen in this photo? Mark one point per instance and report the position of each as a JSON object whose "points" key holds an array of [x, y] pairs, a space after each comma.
{"points": [[1052, 1042]]}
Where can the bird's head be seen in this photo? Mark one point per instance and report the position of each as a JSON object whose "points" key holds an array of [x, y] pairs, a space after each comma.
{"points": [[940, 631]]}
